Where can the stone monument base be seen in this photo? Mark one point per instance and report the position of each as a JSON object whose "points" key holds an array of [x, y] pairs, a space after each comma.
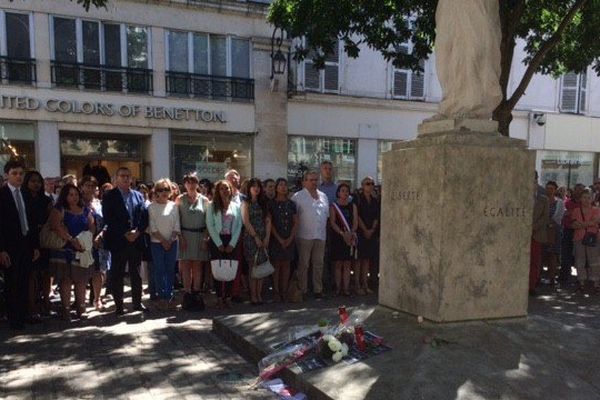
{"points": [[456, 223]]}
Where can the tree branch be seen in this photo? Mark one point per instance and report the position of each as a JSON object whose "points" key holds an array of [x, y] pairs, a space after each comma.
{"points": [[545, 49]]}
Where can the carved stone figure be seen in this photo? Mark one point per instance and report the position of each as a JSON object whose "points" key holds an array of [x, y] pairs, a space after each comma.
{"points": [[467, 51]]}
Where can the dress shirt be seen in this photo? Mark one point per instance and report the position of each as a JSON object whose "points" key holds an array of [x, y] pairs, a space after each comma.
{"points": [[312, 215], [330, 190], [20, 203]]}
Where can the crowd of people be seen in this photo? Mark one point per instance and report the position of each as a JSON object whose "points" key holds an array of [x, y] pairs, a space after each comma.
{"points": [[75, 237], [565, 235]]}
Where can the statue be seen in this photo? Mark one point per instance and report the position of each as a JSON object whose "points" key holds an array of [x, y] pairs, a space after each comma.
{"points": [[467, 48]]}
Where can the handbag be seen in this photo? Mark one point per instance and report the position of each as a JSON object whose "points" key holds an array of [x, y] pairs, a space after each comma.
{"points": [[262, 270], [50, 239], [589, 239], [294, 293], [224, 270]]}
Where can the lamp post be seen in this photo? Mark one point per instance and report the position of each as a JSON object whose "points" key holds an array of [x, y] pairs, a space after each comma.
{"points": [[278, 59]]}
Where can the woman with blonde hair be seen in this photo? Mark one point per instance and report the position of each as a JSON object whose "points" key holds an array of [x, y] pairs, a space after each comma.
{"points": [[164, 228]]}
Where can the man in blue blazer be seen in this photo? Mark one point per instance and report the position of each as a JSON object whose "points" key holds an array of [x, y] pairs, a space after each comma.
{"points": [[126, 217]]}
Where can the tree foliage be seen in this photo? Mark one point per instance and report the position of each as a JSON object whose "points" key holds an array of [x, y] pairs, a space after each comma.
{"points": [[559, 35]]}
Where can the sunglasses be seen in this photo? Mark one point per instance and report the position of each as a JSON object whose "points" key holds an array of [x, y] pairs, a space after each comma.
{"points": [[163, 190], [368, 183]]}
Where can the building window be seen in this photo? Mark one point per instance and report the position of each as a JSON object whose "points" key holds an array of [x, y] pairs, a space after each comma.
{"points": [[383, 146], [408, 84], [104, 56], [17, 63], [306, 153], [325, 80], [207, 65], [210, 155], [573, 93], [567, 168]]}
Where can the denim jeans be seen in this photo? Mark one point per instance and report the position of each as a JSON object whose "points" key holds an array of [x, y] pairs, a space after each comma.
{"points": [[163, 263]]}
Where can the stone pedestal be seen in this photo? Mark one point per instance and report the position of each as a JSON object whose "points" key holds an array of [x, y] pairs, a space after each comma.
{"points": [[456, 223]]}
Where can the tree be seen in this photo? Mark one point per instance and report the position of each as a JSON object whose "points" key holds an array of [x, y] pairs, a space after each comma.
{"points": [[559, 35], [88, 3]]}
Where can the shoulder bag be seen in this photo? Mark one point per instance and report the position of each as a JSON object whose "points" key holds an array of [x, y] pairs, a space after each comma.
{"points": [[262, 270], [50, 239], [589, 239]]}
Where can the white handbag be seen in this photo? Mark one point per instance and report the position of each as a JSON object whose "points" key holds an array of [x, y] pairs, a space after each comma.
{"points": [[224, 270], [262, 270]]}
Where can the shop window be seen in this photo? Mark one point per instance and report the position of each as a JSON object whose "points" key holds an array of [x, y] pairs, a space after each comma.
{"points": [[573, 93], [104, 56], [210, 155], [567, 168], [306, 153], [82, 154], [324, 80], [207, 65], [17, 140], [17, 63]]}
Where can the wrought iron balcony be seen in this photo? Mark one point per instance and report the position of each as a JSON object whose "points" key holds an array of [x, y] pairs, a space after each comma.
{"points": [[209, 86], [102, 77], [15, 70]]}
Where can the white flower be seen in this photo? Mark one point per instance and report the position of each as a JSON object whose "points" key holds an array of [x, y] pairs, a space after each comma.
{"points": [[337, 356], [345, 349], [335, 345], [327, 338]]}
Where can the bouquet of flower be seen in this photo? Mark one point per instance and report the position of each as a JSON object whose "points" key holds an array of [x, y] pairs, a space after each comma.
{"points": [[335, 346]]}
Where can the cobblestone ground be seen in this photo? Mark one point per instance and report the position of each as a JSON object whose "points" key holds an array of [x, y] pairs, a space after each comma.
{"points": [[164, 355], [153, 355]]}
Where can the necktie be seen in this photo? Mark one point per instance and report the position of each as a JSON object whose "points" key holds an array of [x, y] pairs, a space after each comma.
{"points": [[21, 210]]}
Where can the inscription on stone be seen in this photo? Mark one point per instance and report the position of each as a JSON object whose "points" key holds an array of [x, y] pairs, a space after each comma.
{"points": [[405, 195], [504, 212]]}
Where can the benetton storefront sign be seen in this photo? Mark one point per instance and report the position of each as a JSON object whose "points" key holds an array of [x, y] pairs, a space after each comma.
{"points": [[108, 109]]}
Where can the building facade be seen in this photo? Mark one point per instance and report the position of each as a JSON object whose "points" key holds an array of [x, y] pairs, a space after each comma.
{"points": [[168, 87]]}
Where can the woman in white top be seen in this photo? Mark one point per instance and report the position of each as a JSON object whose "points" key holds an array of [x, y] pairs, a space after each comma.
{"points": [[164, 231]]}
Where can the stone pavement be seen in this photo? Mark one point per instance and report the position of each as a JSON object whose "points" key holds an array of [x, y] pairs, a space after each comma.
{"points": [[158, 355]]}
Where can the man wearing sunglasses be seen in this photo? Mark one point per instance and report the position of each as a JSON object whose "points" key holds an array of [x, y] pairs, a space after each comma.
{"points": [[126, 217]]}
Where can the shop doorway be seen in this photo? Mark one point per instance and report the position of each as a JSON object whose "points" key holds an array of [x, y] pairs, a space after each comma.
{"points": [[101, 155]]}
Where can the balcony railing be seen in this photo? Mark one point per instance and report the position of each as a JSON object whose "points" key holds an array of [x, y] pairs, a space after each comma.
{"points": [[102, 77], [15, 70], [209, 86]]}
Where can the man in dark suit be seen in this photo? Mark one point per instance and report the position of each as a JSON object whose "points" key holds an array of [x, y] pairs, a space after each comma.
{"points": [[126, 218], [17, 247]]}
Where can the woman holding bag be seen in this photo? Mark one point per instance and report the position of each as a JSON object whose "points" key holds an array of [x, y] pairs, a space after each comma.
{"points": [[257, 222], [585, 240], [224, 225]]}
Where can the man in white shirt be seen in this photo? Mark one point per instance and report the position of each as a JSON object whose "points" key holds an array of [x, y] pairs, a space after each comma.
{"points": [[313, 211], [233, 177]]}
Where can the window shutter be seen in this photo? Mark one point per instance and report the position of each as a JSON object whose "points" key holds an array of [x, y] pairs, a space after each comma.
{"points": [[331, 77], [335, 56], [568, 101], [400, 83], [312, 76], [417, 85], [582, 92]]}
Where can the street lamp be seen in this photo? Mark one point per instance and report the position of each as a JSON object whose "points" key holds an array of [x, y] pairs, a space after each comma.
{"points": [[278, 59]]}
